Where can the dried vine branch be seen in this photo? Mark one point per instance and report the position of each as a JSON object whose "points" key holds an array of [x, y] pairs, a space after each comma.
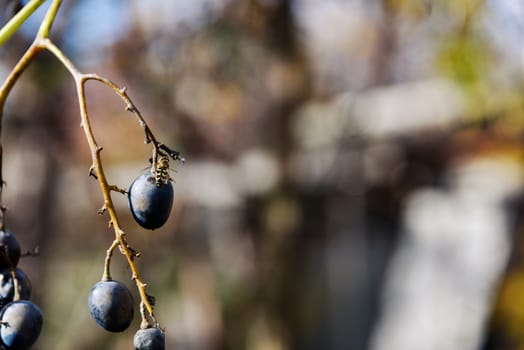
{"points": [[41, 43]]}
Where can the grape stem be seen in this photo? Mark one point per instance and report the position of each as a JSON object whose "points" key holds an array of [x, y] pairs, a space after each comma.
{"points": [[42, 42]]}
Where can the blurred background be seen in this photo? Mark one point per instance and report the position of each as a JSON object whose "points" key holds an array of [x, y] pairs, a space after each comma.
{"points": [[354, 171]]}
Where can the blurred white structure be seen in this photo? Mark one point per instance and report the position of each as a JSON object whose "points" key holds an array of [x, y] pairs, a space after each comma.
{"points": [[456, 244]]}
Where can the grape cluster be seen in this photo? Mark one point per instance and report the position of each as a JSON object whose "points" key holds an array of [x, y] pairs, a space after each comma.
{"points": [[110, 302], [20, 319]]}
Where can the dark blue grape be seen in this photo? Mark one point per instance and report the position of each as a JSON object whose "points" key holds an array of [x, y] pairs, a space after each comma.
{"points": [[7, 288], [111, 305], [150, 203], [149, 339], [21, 325], [9, 249]]}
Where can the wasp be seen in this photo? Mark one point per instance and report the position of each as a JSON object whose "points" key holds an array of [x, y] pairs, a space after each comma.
{"points": [[162, 171]]}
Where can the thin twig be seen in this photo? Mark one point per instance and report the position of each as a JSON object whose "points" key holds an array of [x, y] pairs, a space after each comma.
{"points": [[14, 23], [6, 88], [45, 26], [97, 168], [128, 252], [109, 253]]}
